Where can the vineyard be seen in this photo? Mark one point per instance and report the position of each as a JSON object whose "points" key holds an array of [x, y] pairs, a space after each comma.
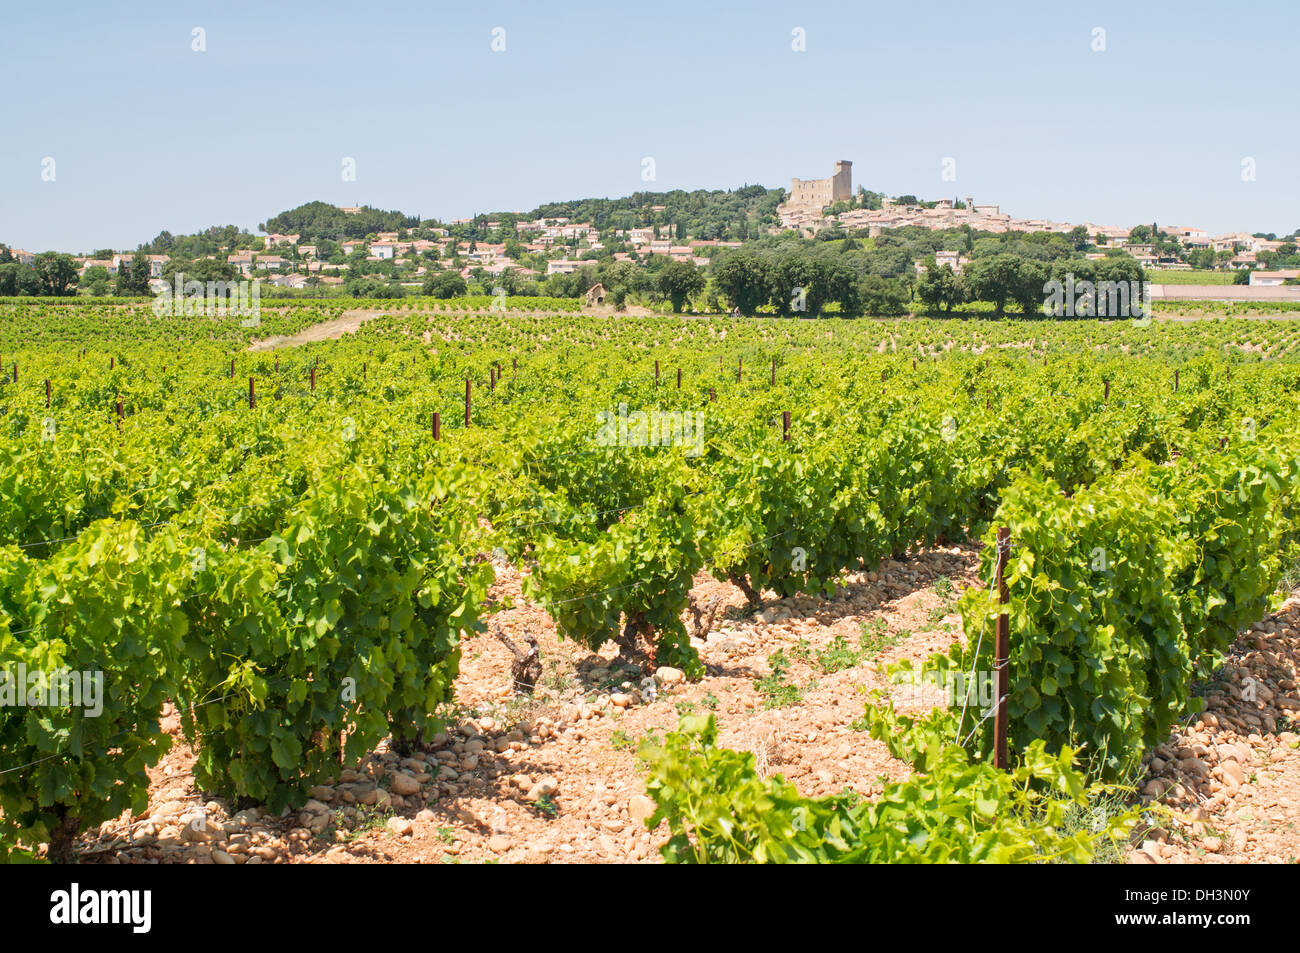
{"points": [[296, 564]]}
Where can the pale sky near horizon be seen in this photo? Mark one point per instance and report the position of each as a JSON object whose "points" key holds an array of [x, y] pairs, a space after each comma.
{"points": [[146, 134]]}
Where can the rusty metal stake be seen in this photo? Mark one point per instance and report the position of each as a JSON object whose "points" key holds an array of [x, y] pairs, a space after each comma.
{"points": [[1002, 652]]}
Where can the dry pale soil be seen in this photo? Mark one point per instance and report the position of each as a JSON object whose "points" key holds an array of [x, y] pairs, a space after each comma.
{"points": [[331, 330]]}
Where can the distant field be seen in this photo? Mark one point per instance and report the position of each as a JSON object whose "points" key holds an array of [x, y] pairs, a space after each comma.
{"points": [[1163, 276]]}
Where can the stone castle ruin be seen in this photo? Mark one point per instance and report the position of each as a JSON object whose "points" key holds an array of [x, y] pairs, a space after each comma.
{"points": [[818, 193]]}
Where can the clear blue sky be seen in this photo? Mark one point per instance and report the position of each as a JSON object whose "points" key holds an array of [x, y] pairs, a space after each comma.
{"points": [[147, 134]]}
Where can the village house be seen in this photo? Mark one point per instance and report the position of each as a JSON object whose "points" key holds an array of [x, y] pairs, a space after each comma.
{"points": [[1232, 242], [1101, 234], [564, 266], [156, 263], [485, 253], [579, 232], [954, 260], [1272, 279], [105, 263]]}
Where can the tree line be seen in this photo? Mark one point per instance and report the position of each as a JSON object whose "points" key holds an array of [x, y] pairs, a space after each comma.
{"points": [[51, 274], [785, 275], [1004, 279]]}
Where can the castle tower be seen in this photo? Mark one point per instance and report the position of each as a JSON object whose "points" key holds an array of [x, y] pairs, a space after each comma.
{"points": [[842, 181]]}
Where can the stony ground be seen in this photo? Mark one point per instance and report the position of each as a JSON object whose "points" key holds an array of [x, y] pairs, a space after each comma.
{"points": [[553, 776], [1231, 778]]}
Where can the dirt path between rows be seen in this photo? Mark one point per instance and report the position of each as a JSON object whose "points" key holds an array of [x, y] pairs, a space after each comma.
{"points": [[331, 330]]}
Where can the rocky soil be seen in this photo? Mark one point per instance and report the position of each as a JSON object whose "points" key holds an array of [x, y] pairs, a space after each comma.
{"points": [[1231, 777], [553, 777]]}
